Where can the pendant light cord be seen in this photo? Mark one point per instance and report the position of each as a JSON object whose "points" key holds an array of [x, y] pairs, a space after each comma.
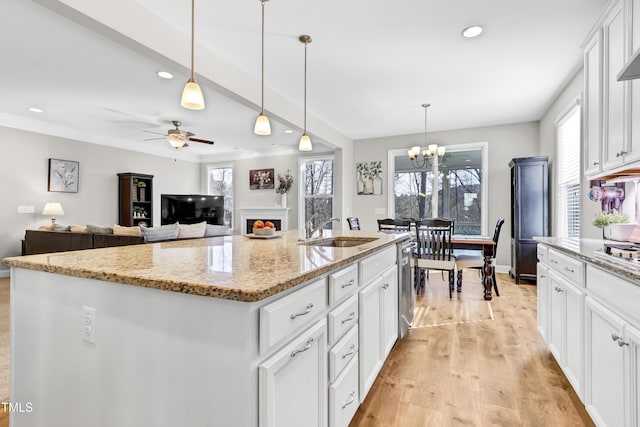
{"points": [[193, 3], [262, 71], [305, 87]]}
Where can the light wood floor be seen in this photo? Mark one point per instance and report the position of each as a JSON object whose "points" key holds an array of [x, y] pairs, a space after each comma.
{"points": [[4, 349], [470, 362]]}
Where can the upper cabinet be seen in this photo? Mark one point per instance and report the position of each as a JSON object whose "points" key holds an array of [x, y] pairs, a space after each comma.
{"points": [[611, 107]]}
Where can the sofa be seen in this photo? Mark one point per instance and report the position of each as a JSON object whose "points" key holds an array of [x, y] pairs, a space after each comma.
{"points": [[47, 241]]}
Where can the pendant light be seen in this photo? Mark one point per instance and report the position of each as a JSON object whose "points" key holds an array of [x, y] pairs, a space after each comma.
{"points": [[263, 127], [192, 94], [305, 141]]}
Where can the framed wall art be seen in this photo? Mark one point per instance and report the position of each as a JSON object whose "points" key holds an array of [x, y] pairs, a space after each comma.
{"points": [[261, 179], [63, 176], [369, 178]]}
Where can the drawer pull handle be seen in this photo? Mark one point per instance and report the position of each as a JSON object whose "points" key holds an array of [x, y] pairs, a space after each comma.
{"points": [[570, 270], [303, 349], [351, 399], [558, 289], [615, 337], [352, 316], [349, 283], [385, 285], [352, 350], [596, 163], [306, 311], [542, 276], [622, 343]]}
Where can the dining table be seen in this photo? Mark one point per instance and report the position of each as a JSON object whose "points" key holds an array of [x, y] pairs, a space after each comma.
{"points": [[485, 245]]}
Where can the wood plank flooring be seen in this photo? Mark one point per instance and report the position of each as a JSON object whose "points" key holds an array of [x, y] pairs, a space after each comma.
{"points": [[469, 362]]}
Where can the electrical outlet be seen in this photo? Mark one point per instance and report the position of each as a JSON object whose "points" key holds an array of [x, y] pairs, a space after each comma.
{"points": [[89, 324], [26, 209]]}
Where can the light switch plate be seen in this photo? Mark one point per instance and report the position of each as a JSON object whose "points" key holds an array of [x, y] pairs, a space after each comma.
{"points": [[89, 324], [26, 209]]}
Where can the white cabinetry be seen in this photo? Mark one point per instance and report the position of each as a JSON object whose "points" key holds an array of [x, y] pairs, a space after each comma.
{"points": [[542, 287], [592, 106], [632, 11], [389, 318], [370, 337], [293, 382]]}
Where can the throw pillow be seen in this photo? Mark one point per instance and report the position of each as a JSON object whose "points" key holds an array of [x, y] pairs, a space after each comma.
{"points": [[190, 231], [60, 227], [78, 229], [164, 232], [119, 230], [97, 229], [216, 230]]}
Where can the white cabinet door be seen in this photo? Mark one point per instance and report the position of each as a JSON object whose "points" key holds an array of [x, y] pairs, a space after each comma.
{"points": [[604, 366], [389, 318], [557, 311], [293, 382], [592, 107], [614, 96], [370, 334], [574, 333], [633, 142], [632, 389], [542, 287]]}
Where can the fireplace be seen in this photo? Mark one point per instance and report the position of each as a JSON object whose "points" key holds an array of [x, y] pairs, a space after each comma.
{"points": [[278, 216]]}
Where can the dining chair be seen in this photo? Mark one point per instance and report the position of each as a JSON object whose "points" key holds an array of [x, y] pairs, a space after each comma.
{"points": [[390, 224], [433, 249], [354, 223], [477, 261]]}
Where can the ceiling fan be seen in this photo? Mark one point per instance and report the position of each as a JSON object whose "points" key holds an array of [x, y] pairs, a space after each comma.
{"points": [[178, 138]]}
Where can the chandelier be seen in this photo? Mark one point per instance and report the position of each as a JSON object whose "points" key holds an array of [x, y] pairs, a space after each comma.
{"points": [[424, 159]]}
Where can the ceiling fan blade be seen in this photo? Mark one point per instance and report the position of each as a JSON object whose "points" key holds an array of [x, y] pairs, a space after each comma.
{"points": [[204, 141], [152, 139], [190, 134], [150, 131]]}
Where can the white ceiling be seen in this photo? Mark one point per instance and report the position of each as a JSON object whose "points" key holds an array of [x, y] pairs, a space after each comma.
{"points": [[371, 66]]}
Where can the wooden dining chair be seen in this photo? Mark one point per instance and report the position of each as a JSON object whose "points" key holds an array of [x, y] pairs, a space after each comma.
{"points": [[392, 225], [477, 260], [354, 223], [434, 250]]}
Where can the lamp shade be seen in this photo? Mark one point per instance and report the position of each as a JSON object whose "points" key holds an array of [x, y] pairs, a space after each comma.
{"points": [[305, 143], [263, 127], [53, 208], [192, 97]]}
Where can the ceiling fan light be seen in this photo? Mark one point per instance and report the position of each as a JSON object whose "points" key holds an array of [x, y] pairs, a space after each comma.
{"points": [[176, 140], [192, 96], [305, 143], [263, 127]]}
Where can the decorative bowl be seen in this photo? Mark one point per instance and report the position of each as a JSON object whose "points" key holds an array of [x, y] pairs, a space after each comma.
{"points": [[264, 231]]}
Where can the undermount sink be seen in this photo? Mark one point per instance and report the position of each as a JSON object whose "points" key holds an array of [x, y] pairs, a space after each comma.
{"points": [[340, 241]]}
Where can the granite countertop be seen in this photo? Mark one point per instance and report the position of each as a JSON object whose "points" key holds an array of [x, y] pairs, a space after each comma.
{"points": [[592, 250], [229, 267]]}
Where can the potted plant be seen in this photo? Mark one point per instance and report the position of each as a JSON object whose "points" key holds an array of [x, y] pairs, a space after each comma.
{"points": [[284, 185], [614, 225]]}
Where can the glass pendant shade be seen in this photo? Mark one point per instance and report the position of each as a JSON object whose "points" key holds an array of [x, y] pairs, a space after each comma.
{"points": [[176, 140], [192, 96], [263, 127], [305, 143]]}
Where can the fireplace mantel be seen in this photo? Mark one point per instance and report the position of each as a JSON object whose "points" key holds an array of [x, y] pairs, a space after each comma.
{"points": [[281, 214]]}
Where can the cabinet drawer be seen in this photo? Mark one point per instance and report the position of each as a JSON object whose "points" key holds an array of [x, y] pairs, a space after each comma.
{"points": [[343, 283], [543, 253], [343, 396], [373, 266], [342, 318], [282, 317], [570, 268], [345, 350], [620, 295]]}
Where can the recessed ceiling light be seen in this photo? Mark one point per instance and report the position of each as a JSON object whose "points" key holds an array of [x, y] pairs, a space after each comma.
{"points": [[288, 131], [165, 74], [472, 31], [35, 110], [467, 160]]}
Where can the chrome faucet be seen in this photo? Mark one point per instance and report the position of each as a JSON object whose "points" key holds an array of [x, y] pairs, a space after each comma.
{"points": [[310, 231]]}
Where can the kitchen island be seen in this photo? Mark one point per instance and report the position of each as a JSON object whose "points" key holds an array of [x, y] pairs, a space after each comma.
{"points": [[216, 331]]}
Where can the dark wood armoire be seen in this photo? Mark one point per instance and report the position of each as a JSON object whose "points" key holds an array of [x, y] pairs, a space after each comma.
{"points": [[529, 213]]}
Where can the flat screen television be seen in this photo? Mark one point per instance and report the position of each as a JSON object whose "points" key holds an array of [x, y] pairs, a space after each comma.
{"points": [[191, 208]]}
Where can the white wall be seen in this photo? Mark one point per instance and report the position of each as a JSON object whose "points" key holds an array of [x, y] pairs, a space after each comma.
{"points": [[23, 173], [548, 147], [504, 143]]}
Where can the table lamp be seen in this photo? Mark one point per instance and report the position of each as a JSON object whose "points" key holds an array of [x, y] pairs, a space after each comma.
{"points": [[53, 209]]}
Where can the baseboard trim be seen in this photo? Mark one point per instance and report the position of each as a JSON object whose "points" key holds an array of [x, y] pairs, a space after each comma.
{"points": [[5, 272], [502, 268]]}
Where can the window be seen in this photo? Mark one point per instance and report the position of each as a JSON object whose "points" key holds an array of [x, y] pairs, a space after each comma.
{"points": [[220, 183], [568, 168], [316, 181], [460, 186]]}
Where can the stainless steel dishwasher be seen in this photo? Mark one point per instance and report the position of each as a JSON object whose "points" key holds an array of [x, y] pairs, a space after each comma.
{"points": [[406, 295]]}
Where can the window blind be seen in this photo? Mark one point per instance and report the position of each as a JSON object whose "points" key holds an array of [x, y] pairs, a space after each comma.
{"points": [[567, 207]]}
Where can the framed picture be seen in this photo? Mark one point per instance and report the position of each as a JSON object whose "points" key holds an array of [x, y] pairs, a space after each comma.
{"points": [[63, 175], [369, 178], [261, 179]]}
